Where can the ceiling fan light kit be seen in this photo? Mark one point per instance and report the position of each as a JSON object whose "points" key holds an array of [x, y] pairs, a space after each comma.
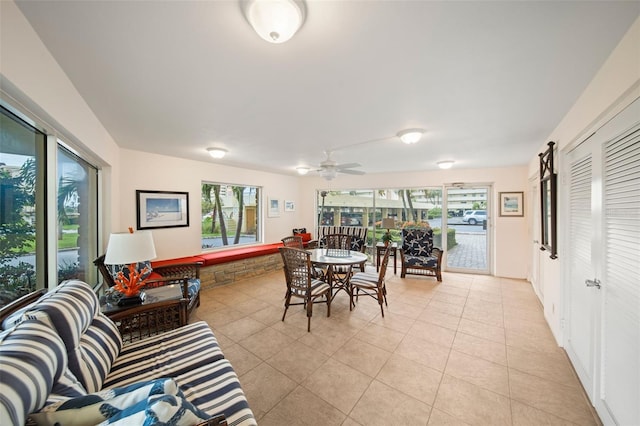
{"points": [[275, 21], [445, 164], [217, 152], [410, 136]]}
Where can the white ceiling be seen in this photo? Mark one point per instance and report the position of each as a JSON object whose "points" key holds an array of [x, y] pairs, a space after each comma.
{"points": [[489, 81]]}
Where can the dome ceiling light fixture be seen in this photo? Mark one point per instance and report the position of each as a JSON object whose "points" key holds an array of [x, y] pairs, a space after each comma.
{"points": [[446, 164], [410, 136], [217, 152], [302, 170], [275, 21]]}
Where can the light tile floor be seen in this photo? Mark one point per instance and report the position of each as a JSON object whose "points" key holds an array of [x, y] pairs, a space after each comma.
{"points": [[473, 350]]}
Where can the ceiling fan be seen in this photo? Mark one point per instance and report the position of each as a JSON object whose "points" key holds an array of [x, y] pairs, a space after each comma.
{"points": [[329, 168]]}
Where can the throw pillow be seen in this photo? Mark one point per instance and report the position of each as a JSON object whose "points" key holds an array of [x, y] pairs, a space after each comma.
{"points": [[99, 406], [306, 236], [159, 409]]}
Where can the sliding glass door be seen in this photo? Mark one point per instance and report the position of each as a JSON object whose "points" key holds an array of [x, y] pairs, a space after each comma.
{"points": [[468, 221]]}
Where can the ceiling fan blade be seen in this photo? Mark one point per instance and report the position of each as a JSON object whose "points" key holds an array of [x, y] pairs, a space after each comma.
{"points": [[347, 166], [351, 171]]}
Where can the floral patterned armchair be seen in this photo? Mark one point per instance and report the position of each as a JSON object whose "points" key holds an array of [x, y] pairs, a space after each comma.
{"points": [[418, 255]]}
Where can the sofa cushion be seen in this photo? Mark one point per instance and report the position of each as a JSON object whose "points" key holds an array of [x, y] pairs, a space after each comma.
{"points": [[32, 359], [91, 339], [96, 407], [215, 389], [99, 347], [165, 355]]}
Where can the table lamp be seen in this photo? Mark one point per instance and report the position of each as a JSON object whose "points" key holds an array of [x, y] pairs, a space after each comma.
{"points": [[388, 223], [129, 248]]}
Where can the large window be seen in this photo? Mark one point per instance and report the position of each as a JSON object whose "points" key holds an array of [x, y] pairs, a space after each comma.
{"points": [[77, 217], [230, 215], [367, 207], [26, 240], [22, 225]]}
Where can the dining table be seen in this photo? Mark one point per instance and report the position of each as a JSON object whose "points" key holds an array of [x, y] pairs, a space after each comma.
{"points": [[332, 259]]}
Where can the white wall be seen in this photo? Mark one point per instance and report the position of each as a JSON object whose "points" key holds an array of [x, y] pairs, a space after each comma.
{"points": [[510, 234], [613, 88], [162, 173]]}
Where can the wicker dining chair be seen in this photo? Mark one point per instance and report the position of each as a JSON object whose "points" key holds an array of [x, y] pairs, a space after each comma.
{"points": [[371, 284], [294, 241], [301, 284]]}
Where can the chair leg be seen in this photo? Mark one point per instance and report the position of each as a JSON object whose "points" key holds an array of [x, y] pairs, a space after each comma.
{"points": [[328, 304], [380, 296], [309, 314], [286, 305]]}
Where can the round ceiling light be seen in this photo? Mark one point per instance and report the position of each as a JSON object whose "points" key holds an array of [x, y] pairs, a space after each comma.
{"points": [[410, 136], [445, 164], [217, 152], [302, 170], [275, 21]]}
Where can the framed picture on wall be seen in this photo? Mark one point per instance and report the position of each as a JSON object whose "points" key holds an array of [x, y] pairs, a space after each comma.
{"points": [[273, 207], [511, 203], [289, 206], [162, 209]]}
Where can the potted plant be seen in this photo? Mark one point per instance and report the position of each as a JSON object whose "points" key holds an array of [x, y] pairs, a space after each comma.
{"points": [[387, 238]]}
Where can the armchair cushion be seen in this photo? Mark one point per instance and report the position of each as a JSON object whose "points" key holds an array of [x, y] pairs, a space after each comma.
{"points": [[417, 242], [418, 254]]}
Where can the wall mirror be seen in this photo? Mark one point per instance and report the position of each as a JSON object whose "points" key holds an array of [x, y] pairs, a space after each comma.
{"points": [[548, 194]]}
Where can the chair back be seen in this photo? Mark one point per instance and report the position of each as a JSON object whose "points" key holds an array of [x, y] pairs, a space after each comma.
{"points": [[297, 269], [417, 241], [338, 241], [104, 271], [294, 241], [358, 235]]}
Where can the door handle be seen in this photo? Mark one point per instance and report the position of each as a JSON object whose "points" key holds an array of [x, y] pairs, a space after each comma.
{"points": [[593, 283]]}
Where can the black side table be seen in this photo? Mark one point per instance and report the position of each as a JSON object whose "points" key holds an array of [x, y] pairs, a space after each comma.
{"points": [[380, 249]]}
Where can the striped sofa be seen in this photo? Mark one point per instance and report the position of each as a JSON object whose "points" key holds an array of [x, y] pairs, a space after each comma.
{"points": [[61, 359]]}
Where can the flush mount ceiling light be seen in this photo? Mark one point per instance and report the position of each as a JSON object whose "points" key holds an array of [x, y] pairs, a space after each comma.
{"points": [[217, 152], [410, 136], [302, 170], [275, 21], [445, 164]]}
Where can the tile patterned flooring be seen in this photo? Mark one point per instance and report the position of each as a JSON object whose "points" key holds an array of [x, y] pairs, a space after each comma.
{"points": [[472, 350]]}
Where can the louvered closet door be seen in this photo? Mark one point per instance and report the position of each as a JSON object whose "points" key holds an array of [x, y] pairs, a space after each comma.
{"points": [[621, 316], [602, 305], [583, 301]]}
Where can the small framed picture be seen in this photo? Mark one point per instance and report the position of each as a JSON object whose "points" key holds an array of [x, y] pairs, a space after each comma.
{"points": [[511, 203], [162, 209], [289, 206], [273, 207]]}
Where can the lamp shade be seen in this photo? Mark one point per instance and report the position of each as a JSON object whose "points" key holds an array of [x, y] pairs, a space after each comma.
{"points": [[126, 248], [388, 223]]}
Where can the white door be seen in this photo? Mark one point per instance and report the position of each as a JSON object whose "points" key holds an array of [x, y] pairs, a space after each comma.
{"points": [[603, 293], [534, 233], [582, 303]]}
